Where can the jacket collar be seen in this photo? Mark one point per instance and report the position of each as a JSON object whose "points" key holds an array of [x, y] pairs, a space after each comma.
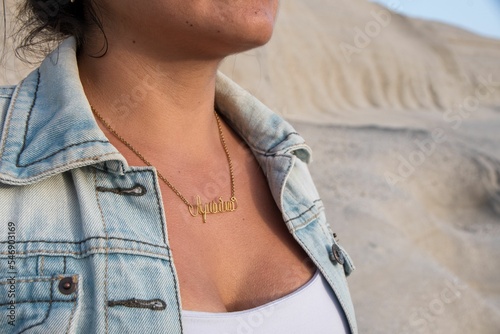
{"points": [[49, 126]]}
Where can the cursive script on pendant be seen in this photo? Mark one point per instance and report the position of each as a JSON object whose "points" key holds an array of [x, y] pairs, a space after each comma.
{"points": [[212, 207]]}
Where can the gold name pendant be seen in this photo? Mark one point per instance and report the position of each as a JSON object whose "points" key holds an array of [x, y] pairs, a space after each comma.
{"points": [[199, 208], [212, 207]]}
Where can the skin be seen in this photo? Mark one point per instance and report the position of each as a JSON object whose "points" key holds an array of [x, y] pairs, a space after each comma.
{"points": [[170, 50]]}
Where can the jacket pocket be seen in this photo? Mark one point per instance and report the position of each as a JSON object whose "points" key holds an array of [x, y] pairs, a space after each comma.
{"points": [[39, 304]]}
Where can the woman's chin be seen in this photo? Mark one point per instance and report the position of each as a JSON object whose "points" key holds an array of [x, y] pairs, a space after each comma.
{"points": [[242, 40]]}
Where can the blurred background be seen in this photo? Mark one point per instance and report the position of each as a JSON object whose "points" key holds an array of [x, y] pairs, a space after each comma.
{"points": [[403, 116], [479, 16]]}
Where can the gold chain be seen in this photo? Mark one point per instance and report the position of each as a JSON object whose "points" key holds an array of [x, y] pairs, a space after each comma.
{"points": [[199, 208]]}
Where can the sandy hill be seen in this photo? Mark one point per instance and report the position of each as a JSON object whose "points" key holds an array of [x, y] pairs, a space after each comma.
{"points": [[347, 59]]}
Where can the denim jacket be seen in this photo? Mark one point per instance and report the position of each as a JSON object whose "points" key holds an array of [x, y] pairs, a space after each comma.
{"points": [[84, 246]]}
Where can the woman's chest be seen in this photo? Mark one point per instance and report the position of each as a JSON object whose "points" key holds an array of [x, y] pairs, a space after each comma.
{"points": [[109, 233], [236, 260]]}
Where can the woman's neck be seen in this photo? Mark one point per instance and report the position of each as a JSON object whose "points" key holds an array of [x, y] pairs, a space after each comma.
{"points": [[152, 101]]}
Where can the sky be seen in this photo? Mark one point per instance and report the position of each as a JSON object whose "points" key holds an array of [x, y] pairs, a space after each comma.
{"points": [[479, 16]]}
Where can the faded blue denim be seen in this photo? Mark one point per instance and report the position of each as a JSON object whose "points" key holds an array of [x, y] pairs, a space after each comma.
{"points": [[59, 177]]}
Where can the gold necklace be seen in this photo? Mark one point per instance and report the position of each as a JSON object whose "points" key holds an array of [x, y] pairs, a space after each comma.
{"points": [[199, 208]]}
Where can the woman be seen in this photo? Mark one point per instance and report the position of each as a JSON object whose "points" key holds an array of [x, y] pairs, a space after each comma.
{"points": [[133, 206]]}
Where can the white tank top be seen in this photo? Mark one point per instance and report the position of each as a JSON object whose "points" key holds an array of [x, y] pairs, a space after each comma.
{"points": [[312, 308]]}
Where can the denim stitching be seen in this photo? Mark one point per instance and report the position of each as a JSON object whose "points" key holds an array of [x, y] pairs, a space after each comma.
{"points": [[317, 201], [267, 152], [276, 155], [279, 154], [46, 314], [7, 91], [41, 265], [83, 241], [163, 219], [53, 171], [32, 280], [307, 222], [177, 291], [325, 231], [288, 135], [163, 227], [42, 301], [72, 310], [304, 212], [286, 177], [87, 251], [106, 254], [58, 151], [8, 120], [35, 95]]}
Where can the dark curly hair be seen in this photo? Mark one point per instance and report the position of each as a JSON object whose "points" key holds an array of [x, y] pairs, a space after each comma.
{"points": [[45, 23]]}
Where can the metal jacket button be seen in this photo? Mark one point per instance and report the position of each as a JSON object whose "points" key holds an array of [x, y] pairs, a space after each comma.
{"points": [[67, 286], [337, 256]]}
